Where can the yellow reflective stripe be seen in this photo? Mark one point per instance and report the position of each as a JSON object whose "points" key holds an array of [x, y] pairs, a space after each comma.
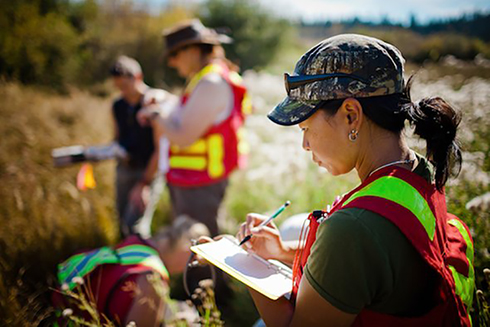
{"points": [[246, 105], [185, 162], [213, 145], [235, 78], [216, 154], [198, 147], [136, 251], [209, 69], [404, 194], [469, 245], [135, 254], [464, 285], [156, 264], [243, 146]]}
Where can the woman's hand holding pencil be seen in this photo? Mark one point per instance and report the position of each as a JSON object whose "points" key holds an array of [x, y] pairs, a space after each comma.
{"points": [[261, 236], [265, 241], [265, 222]]}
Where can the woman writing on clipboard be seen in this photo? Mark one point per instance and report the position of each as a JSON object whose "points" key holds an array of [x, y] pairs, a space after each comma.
{"points": [[387, 253]]}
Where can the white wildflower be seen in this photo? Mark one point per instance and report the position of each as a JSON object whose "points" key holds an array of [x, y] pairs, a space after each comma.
{"points": [[77, 280], [67, 312], [481, 202]]}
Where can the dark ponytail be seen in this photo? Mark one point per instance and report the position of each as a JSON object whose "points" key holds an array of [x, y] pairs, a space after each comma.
{"points": [[437, 122], [433, 118], [213, 51]]}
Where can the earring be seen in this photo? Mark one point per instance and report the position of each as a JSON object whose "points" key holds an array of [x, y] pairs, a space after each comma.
{"points": [[353, 135]]}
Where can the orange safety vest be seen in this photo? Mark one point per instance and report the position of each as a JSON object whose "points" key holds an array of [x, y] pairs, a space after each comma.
{"points": [[221, 149], [442, 240]]}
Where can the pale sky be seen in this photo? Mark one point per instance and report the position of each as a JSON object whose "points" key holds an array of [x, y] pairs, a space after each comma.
{"points": [[373, 10], [398, 11]]}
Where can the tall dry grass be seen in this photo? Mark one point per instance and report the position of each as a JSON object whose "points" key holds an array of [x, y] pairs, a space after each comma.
{"points": [[44, 217]]}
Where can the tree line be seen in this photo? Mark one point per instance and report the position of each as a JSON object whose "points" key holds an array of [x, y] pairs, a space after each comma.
{"points": [[56, 43], [464, 37]]}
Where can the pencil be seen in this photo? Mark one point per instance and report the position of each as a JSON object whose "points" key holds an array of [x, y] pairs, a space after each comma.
{"points": [[265, 222]]}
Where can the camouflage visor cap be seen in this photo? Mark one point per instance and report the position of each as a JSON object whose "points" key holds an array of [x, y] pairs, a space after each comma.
{"points": [[340, 67]]}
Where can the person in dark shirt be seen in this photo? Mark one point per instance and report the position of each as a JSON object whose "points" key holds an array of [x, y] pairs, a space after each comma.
{"points": [[137, 189]]}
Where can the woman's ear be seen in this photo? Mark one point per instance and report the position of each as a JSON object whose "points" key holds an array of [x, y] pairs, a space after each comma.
{"points": [[352, 110]]}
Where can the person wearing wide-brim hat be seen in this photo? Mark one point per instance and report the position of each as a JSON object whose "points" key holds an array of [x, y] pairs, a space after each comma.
{"points": [[204, 130], [386, 253]]}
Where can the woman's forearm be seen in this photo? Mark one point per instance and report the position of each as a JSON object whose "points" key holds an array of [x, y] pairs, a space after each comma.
{"points": [[177, 133], [290, 248], [274, 313]]}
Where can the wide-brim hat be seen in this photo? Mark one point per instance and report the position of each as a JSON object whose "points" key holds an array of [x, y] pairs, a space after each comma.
{"points": [[192, 32]]}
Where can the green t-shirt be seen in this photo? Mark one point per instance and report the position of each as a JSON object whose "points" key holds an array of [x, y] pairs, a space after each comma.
{"points": [[362, 260]]}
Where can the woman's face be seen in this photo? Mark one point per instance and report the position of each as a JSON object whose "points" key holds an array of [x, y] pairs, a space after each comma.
{"points": [[327, 139], [186, 61], [126, 85]]}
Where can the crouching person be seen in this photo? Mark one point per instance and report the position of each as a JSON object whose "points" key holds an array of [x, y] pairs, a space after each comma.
{"points": [[128, 282]]}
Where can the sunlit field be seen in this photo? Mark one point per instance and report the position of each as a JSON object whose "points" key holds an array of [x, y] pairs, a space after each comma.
{"points": [[46, 218]]}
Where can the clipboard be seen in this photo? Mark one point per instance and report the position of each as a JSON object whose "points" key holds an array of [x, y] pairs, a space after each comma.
{"points": [[268, 277]]}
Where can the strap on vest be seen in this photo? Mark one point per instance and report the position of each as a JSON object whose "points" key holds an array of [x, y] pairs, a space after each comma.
{"points": [[399, 191], [213, 68]]}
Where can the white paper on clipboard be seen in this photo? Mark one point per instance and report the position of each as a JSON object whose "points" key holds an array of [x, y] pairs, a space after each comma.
{"points": [[269, 277]]}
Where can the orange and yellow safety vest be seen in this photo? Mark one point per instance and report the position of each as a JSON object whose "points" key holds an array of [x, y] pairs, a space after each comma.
{"points": [[443, 241], [222, 148]]}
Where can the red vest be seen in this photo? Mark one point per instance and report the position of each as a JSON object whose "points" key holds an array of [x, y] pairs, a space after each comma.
{"points": [[220, 150], [443, 241]]}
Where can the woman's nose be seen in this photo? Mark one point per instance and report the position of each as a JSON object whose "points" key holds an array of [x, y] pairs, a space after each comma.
{"points": [[171, 62]]}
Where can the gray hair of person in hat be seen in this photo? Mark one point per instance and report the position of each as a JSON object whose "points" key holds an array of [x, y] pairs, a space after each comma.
{"points": [[190, 45], [126, 66], [349, 96]]}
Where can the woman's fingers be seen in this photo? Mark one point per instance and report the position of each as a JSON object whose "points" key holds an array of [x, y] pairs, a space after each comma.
{"points": [[249, 223], [142, 117], [204, 239], [253, 219], [265, 232], [239, 234]]}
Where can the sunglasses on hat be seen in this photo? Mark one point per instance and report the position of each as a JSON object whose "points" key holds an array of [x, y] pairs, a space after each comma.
{"points": [[295, 81]]}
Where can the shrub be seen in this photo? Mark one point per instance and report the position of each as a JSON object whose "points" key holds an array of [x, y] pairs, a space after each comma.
{"points": [[257, 35]]}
